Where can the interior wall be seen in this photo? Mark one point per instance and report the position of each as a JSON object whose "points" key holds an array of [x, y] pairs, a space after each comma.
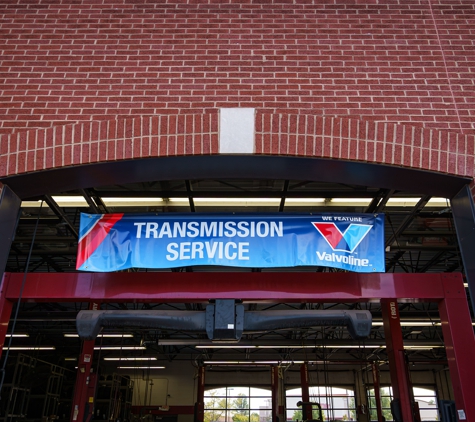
{"points": [[173, 386], [177, 384]]}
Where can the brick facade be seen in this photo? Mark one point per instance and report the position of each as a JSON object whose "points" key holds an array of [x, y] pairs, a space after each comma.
{"points": [[380, 81]]}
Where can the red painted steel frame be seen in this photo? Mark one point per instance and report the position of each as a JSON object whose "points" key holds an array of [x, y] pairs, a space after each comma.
{"points": [[6, 307], [377, 392], [400, 380], [85, 381], [200, 287], [84, 390], [446, 289], [275, 393], [460, 348], [306, 410], [200, 401]]}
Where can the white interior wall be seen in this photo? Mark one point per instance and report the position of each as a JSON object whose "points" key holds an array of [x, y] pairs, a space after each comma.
{"points": [[177, 384]]}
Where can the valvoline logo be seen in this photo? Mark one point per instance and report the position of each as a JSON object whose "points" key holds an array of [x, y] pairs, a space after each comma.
{"points": [[347, 241]]}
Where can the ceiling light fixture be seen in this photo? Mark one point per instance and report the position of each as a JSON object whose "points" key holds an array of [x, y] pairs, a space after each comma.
{"points": [[239, 202], [251, 362], [287, 346], [119, 347], [102, 335], [79, 201], [140, 367], [423, 347], [30, 348], [132, 358], [293, 202], [349, 201], [410, 323]]}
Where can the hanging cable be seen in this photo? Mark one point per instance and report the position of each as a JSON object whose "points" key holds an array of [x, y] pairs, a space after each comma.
{"points": [[364, 376], [325, 377], [318, 376], [114, 407], [15, 317]]}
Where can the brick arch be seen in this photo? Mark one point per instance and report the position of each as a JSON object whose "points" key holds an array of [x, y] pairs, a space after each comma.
{"points": [[301, 135], [365, 140]]}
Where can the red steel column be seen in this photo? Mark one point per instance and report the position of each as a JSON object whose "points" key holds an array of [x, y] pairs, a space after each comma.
{"points": [[306, 409], [459, 342], [275, 392], [377, 393], [200, 399], [84, 390], [400, 382], [5, 313], [83, 378]]}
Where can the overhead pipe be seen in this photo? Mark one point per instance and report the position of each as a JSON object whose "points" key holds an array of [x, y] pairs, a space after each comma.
{"points": [[224, 320]]}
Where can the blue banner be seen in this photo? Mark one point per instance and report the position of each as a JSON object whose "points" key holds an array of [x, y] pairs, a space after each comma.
{"points": [[112, 242]]}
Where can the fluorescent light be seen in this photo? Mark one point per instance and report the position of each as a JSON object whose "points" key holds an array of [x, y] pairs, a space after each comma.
{"points": [[71, 359], [351, 346], [80, 201], [138, 358], [250, 362], [328, 346], [410, 202], [227, 346], [101, 335], [30, 348], [410, 323], [32, 204], [62, 201], [423, 347], [304, 202], [437, 202], [287, 346], [119, 347], [140, 367], [244, 202], [349, 201], [17, 335], [130, 202]]}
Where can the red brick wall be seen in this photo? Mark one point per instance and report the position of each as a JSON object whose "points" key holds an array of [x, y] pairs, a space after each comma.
{"points": [[373, 80]]}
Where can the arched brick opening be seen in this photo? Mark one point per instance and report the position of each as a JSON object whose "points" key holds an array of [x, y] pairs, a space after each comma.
{"points": [[275, 134]]}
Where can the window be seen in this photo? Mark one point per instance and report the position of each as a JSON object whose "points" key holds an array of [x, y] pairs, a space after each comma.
{"points": [[386, 394], [426, 399], [337, 403], [238, 404]]}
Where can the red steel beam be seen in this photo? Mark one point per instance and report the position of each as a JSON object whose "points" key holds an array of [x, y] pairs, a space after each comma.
{"points": [[200, 287]]}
